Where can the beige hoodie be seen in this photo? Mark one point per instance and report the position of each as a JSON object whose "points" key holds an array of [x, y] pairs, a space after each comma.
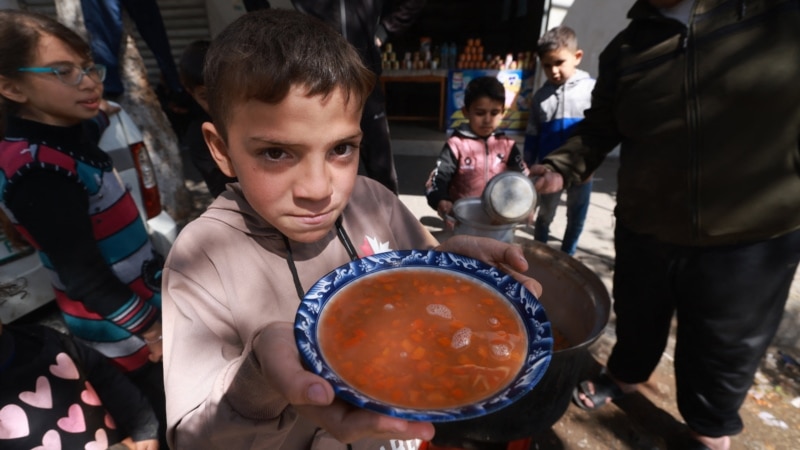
{"points": [[225, 279]]}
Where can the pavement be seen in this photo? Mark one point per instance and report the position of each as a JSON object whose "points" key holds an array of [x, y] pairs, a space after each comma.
{"points": [[648, 419]]}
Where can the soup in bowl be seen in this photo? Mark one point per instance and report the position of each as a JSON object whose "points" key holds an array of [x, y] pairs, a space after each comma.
{"points": [[424, 335]]}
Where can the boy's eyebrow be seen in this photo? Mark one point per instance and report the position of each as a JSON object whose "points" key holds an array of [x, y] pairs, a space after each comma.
{"points": [[271, 141]]}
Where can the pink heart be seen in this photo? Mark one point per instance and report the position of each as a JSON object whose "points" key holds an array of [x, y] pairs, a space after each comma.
{"points": [[74, 422], [100, 441], [64, 367], [50, 441], [42, 397], [13, 422], [89, 396], [109, 421]]}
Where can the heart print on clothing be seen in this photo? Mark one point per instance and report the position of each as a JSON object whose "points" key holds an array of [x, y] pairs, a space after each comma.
{"points": [[64, 367], [42, 397], [13, 422], [74, 422], [100, 441], [89, 396], [50, 441]]}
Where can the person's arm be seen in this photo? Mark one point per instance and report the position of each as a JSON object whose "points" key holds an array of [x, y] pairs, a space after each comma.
{"points": [[515, 161], [530, 149], [128, 406], [54, 210], [439, 183], [401, 16]]}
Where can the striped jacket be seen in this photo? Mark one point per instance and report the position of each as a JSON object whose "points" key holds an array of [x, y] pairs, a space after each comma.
{"points": [[119, 233], [555, 110]]}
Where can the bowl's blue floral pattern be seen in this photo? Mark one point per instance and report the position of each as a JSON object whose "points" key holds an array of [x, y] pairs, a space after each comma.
{"points": [[540, 340]]}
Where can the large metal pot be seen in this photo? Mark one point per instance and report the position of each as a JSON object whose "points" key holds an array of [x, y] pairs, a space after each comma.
{"points": [[578, 305]]}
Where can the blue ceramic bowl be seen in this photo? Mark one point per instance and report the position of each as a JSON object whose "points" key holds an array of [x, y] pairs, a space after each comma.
{"points": [[537, 327]]}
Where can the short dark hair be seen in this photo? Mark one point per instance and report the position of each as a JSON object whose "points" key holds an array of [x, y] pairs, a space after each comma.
{"points": [[484, 87], [264, 53], [557, 38], [20, 32], [190, 66]]}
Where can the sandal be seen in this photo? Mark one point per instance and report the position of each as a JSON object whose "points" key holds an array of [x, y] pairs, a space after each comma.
{"points": [[605, 391]]}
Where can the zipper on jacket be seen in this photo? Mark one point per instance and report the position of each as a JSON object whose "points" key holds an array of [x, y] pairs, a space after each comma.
{"points": [[693, 126]]}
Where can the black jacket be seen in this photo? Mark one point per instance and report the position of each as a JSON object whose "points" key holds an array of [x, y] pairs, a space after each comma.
{"points": [[708, 121], [360, 21]]}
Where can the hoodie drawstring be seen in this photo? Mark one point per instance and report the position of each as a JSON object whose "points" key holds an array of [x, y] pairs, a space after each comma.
{"points": [[343, 238]]}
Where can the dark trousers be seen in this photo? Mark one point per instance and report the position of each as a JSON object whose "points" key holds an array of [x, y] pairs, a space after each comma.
{"points": [[377, 161], [103, 20], [728, 300]]}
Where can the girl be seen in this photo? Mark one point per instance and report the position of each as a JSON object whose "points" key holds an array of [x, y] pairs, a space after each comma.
{"points": [[62, 193], [58, 393]]}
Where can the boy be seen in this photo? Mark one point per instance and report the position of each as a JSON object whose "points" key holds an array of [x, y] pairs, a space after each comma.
{"points": [[190, 68], [476, 151], [285, 92], [556, 108]]}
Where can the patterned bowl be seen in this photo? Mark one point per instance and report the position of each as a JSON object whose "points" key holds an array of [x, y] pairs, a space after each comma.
{"points": [[448, 404]]}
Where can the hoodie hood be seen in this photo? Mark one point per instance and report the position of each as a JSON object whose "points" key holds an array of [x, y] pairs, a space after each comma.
{"points": [[231, 208]]}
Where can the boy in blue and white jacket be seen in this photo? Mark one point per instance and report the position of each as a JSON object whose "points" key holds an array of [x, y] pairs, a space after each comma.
{"points": [[555, 109]]}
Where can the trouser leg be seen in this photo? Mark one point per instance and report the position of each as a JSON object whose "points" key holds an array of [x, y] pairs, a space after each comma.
{"points": [[578, 197], [730, 304], [376, 149], [103, 20], [547, 205], [643, 305]]}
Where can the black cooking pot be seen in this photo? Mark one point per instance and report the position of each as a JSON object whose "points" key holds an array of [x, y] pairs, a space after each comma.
{"points": [[578, 306]]}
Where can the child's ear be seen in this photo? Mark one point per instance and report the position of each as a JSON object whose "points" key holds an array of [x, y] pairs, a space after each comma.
{"points": [[218, 148], [578, 56], [10, 89]]}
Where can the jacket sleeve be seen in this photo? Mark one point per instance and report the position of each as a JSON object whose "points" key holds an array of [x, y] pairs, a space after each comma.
{"points": [[438, 185], [531, 146], [217, 396], [54, 210], [515, 161], [400, 17], [595, 136], [123, 400]]}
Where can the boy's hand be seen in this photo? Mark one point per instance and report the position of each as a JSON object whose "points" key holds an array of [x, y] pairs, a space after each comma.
{"points": [[109, 108], [507, 257], [129, 443], [444, 208], [313, 397], [152, 337], [545, 180]]}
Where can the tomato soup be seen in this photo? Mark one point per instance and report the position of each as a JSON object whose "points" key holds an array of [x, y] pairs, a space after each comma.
{"points": [[422, 339]]}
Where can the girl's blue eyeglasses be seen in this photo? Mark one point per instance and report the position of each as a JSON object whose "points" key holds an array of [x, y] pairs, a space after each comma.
{"points": [[71, 74]]}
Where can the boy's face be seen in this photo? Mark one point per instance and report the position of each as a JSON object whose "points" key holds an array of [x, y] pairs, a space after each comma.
{"points": [[484, 115], [200, 95], [296, 160], [559, 65]]}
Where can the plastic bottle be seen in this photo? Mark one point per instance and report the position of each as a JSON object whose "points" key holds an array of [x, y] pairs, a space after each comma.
{"points": [[444, 59], [452, 56]]}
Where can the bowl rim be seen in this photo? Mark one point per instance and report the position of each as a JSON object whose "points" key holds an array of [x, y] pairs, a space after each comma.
{"points": [[534, 319]]}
